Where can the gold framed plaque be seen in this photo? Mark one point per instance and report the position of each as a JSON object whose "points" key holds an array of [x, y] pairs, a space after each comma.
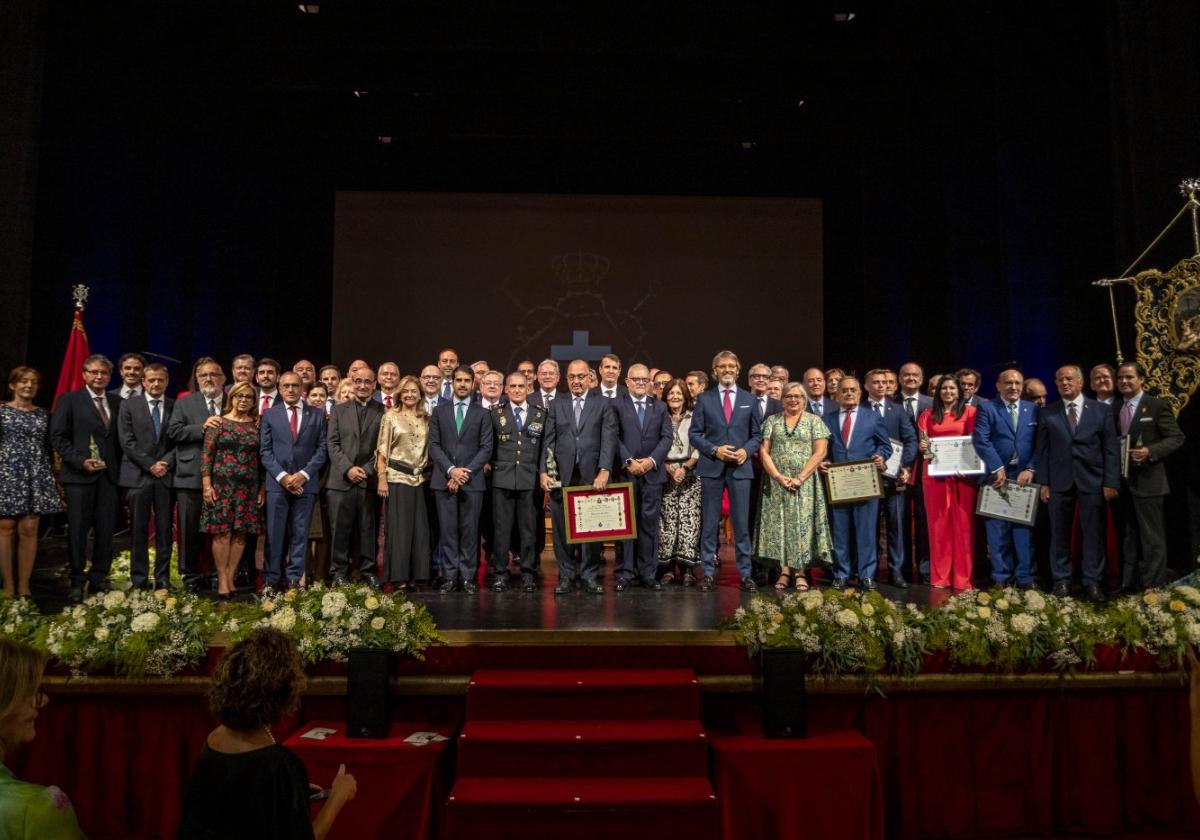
{"points": [[853, 481], [599, 515]]}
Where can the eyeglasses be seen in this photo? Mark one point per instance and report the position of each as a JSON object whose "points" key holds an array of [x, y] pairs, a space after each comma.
{"points": [[641, 380], [760, 376], [431, 377], [96, 371], [577, 377]]}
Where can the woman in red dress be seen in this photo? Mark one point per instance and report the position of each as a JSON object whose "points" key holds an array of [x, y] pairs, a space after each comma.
{"points": [[949, 500]]}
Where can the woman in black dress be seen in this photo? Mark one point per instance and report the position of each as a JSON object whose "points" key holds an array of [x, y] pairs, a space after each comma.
{"points": [[245, 785]]}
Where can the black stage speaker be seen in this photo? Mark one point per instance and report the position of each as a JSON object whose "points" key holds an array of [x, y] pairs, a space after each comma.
{"points": [[367, 693], [783, 694]]}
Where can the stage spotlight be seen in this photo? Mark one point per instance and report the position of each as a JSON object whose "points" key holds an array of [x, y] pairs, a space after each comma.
{"points": [[309, 8], [799, 103], [843, 17], [383, 139], [360, 94]]}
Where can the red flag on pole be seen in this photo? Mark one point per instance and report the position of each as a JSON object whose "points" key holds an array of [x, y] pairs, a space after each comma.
{"points": [[70, 378]]}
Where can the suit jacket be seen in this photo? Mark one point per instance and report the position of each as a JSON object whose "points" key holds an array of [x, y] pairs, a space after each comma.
{"points": [[1154, 427], [868, 439], [709, 431], [186, 431], [774, 406], [997, 443], [472, 448], [650, 440], [74, 425], [827, 405], [536, 396], [279, 453], [350, 446], [517, 456], [140, 447], [898, 427], [593, 445], [1086, 460], [924, 401], [621, 391]]}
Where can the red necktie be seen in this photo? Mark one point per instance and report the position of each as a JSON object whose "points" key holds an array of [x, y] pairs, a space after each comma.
{"points": [[102, 408], [728, 406], [846, 427], [266, 404], [294, 422], [387, 400]]}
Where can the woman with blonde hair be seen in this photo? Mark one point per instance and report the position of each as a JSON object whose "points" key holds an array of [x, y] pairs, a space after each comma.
{"points": [[402, 463], [27, 811], [232, 484]]}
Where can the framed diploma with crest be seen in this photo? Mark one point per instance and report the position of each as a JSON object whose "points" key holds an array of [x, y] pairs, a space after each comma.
{"points": [[599, 515]]}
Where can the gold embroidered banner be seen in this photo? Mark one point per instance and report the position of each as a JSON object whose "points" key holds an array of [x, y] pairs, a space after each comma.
{"points": [[1167, 313]]}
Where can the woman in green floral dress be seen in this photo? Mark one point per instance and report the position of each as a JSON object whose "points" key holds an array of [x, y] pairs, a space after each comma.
{"points": [[793, 528]]}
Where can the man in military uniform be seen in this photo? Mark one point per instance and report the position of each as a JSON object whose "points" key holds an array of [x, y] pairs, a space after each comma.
{"points": [[518, 428]]}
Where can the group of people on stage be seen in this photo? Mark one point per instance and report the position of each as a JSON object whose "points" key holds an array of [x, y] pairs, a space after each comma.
{"points": [[462, 460]]}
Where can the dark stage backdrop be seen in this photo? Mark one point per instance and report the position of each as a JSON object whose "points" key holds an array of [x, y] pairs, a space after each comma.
{"points": [[663, 280]]}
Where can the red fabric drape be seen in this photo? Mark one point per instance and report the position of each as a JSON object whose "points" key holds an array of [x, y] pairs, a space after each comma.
{"points": [[70, 376]]}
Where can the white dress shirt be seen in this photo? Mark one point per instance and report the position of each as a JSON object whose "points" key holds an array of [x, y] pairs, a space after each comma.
{"points": [[287, 410]]}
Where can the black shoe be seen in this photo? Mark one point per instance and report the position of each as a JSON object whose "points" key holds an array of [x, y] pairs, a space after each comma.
{"points": [[593, 587], [500, 585], [96, 587], [370, 580], [563, 588], [448, 586], [1062, 588], [1094, 593], [868, 585], [622, 585], [76, 594], [339, 580], [839, 583], [528, 584], [469, 587], [706, 583], [652, 585], [1026, 587], [748, 585], [688, 579], [899, 582]]}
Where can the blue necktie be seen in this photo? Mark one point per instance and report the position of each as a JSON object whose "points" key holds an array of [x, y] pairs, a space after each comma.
{"points": [[641, 411], [156, 418], [578, 411], [517, 417], [445, 390]]}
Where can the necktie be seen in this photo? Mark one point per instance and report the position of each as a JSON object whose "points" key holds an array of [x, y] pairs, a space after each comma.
{"points": [[266, 403], [294, 422], [762, 407], [446, 390], [879, 410], [1072, 417], [156, 418], [1012, 415], [387, 400], [1126, 417], [728, 405], [912, 409], [212, 408], [848, 417], [578, 410], [610, 394], [546, 400], [102, 408], [641, 411], [517, 417], [329, 404], [458, 420]]}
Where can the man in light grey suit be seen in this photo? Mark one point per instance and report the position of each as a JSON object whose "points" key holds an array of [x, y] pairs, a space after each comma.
{"points": [[190, 417], [353, 508], [581, 436], [149, 458]]}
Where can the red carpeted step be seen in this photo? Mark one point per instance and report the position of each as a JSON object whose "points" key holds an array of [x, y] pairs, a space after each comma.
{"points": [[581, 808], [619, 748], [606, 694]]}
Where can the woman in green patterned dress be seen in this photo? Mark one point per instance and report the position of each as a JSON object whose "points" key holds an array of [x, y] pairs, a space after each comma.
{"points": [[793, 528]]}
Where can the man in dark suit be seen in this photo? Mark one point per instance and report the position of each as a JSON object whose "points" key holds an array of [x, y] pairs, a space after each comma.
{"points": [[1076, 461], [1152, 435], [292, 449], [191, 416], [814, 390], [759, 378], [518, 430], [1004, 437], [129, 368], [146, 466], [970, 379], [726, 432], [916, 529], [353, 507], [581, 437], [644, 436], [460, 446], [610, 377], [83, 432], [856, 434], [901, 434]]}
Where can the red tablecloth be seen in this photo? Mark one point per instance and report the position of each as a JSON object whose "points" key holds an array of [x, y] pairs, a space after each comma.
{"points": [[400, 786], [825, 787]]}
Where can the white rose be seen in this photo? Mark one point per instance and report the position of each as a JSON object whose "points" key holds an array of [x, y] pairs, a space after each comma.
{"points": [[1001, 604], [372, 603], [284, 619], [101, 634], [847, 618], [170, 603], [161, 594], [113, 598], [868, 610], [377, 622], [144, 623]]}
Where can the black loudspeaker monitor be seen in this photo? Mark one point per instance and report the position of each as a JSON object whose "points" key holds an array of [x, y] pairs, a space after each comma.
{"points": [[783, 694], [367, 693]]}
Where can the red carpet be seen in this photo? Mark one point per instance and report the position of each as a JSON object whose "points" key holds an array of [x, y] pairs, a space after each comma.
{"points": [[583, 754]]}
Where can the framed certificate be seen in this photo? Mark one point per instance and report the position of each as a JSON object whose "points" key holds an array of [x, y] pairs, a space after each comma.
{"points": [[599, 515], [853, 481], [954, 456], [1012, 503]]}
